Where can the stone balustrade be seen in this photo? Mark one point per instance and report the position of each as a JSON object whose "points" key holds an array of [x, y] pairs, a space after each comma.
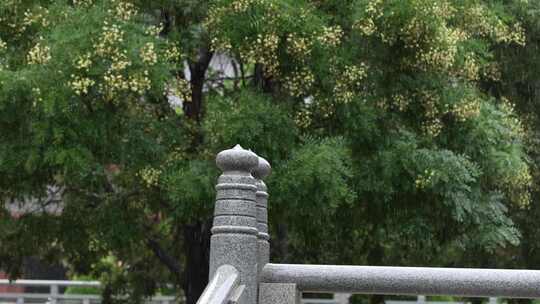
{"points": [[240, 240]]}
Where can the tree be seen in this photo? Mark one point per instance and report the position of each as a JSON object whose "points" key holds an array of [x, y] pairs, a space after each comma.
{"points": [[372, 114], [519, 82]]}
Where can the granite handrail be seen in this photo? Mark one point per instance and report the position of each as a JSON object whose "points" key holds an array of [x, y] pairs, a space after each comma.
{"points": [[61, 283], [224, 285], [407, 280]]}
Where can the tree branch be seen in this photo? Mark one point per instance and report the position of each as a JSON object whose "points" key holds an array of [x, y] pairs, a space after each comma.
{"points": [[170, 262]]}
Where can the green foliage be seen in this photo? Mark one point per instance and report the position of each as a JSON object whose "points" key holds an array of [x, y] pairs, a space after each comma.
{"points": [[308, 191], [390, 127], [82, 290], [252, 120]]}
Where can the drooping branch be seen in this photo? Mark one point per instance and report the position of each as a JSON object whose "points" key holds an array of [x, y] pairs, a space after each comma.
{"points": [[165, 258]]}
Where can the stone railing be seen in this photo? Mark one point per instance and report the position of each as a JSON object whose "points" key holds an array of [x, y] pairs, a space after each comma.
{"points": [[54, 296], [240, 241], [224, 287]]}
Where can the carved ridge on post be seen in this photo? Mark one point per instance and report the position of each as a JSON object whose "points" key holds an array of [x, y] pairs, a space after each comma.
{"points": [[226, 186], [234, 229], [264, 236]]}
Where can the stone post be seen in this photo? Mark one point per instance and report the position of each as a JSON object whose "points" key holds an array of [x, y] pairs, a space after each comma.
{"points": [[54, 294], [234, 231], [261, 172], [273, 293]]}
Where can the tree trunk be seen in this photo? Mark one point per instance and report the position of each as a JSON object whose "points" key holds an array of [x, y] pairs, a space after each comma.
{"points": [[197, 253], [194, 109], [260, 80], [375, 258], [279, 244], [197, 235]]}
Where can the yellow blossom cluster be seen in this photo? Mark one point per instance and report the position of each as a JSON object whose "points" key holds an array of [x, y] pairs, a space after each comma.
{"points": [[429, 100], [424, 180], [110, 37], [442, 50], [154, 30], [515, 34], [148, 54], [491, 71], [365, 26], [298, 46], [80, 85], [263, 51], [140, 83], [262, 48], [523, 176], [39, 54], [120, 62], [303, 118], [237, 7], [478, 23], [299, 82], [401, 102], [518, 183], [349, 82], [115, 79], [434, 32], [222, 45], [172, 53], [178, 154], [438, 10], [35, 16], [83, 3], [180, 88], [240, 6], [372, 12], [115, 82], [432, 127], [150, 176], [511, 119], [467, 109], [83, 62], [470, 69], [123, 10], [331, 36], [524, 197], [430, 34]]}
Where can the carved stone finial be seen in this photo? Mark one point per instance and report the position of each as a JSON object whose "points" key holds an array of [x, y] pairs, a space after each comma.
{"points": [[262, 170], [237, 159]]}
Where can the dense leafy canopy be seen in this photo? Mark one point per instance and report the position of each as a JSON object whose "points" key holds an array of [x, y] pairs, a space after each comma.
{"points": [[391, 127]]}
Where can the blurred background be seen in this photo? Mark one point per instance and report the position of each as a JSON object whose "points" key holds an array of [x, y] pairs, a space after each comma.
{"points": [[400, 133]]}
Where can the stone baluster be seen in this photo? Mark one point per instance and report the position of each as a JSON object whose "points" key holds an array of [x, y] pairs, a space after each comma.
{"points": [[234, 232], [261, 172]]}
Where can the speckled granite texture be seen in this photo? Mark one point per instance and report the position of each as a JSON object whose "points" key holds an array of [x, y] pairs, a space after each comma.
{"points": [[278, 293], [407, 280]]}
